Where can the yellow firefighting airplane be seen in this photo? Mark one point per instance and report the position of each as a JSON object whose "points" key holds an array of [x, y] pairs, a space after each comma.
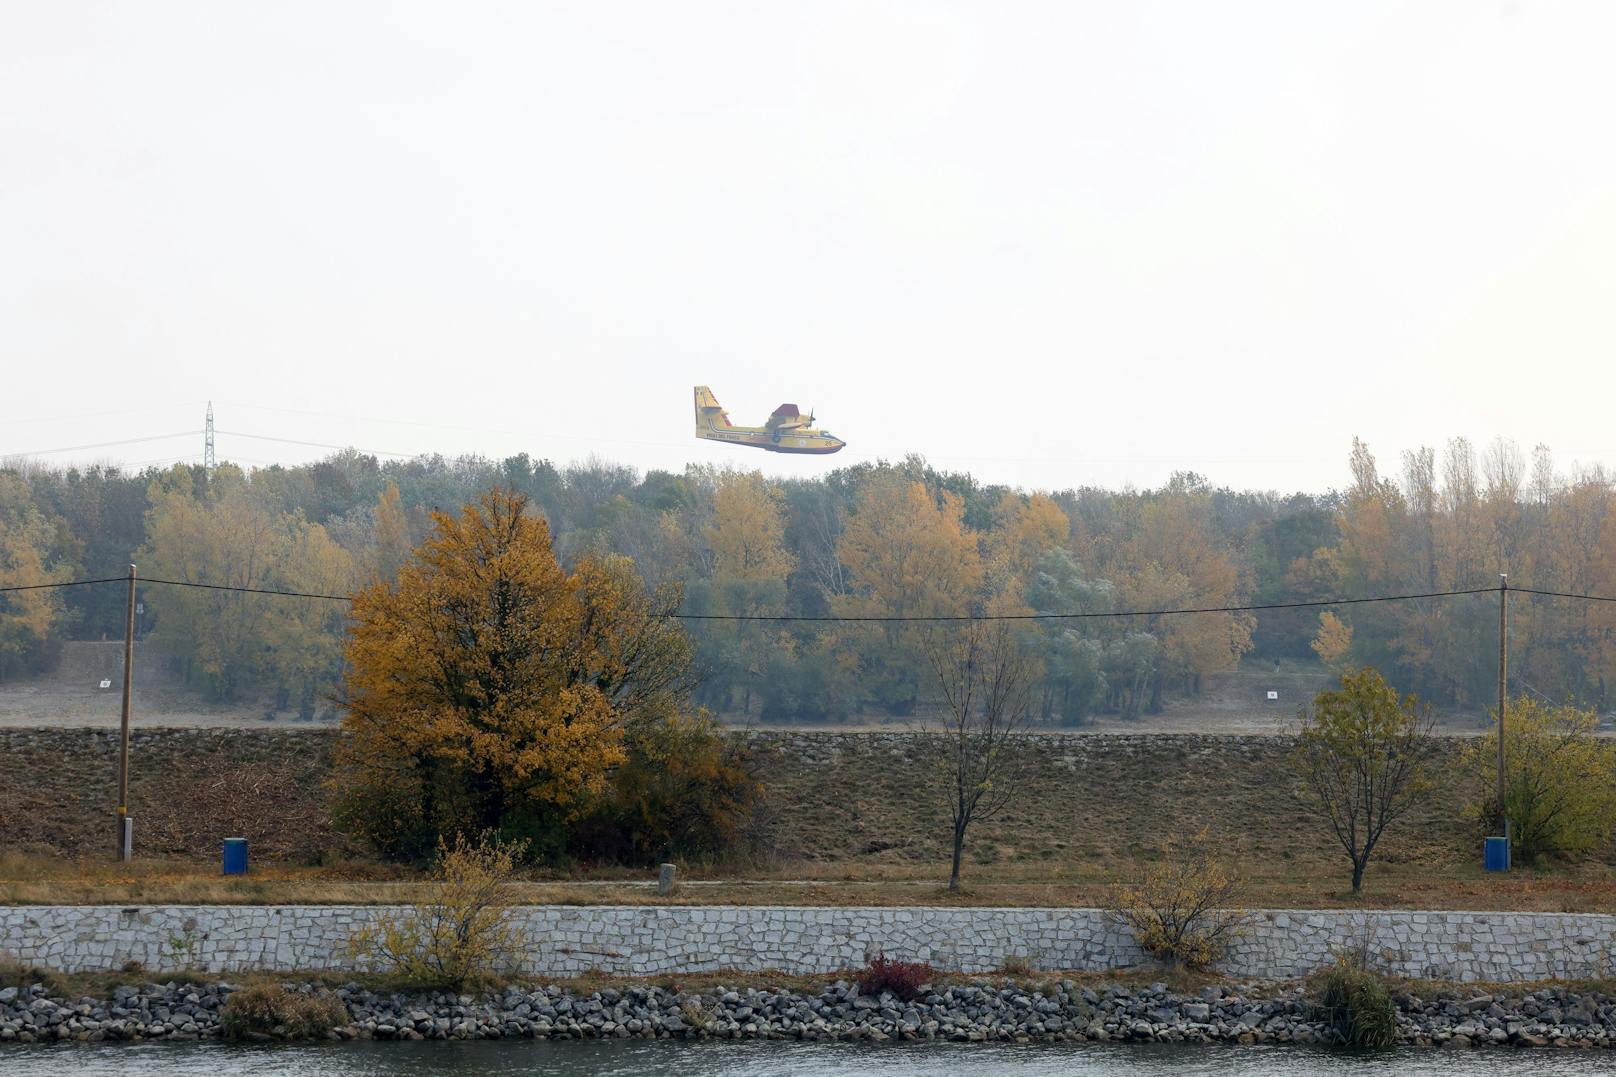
{"points": [[786, 430]]}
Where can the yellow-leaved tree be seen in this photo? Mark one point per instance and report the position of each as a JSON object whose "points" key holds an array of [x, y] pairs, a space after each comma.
{"points": [[231, 532], [28, 617], [908, 554], [1169, 559], [750, 568], [390, 546], [747, 535], [1333, 642], [490, 690], [1024, 529]]}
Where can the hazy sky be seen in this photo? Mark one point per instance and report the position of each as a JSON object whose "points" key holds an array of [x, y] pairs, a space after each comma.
{"points": [[1053, 244]]}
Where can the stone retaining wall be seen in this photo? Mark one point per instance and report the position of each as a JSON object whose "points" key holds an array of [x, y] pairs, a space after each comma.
{"points": [[653, 940]]}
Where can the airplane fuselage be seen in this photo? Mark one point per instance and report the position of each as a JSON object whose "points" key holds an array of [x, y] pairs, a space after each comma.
{"points": [[759, 438], [787, 430]]}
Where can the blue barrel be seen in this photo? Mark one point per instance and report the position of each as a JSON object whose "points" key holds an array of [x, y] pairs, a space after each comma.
{"points": [[1496, 856], [235, 856]]}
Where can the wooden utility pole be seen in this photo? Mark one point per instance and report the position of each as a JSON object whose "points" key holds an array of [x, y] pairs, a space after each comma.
{"points": [[1503, 678], [123, 751]]}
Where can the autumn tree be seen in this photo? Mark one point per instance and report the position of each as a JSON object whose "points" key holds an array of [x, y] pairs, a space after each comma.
{"points": [[229, 533], [490, 689], [1368, 556], [28, 559], [908, 553], [747, 532], [1333, 641], [1025, 528], [985, 680], [1362, 761], [751, 565], [1170, 557], [390, 539]]}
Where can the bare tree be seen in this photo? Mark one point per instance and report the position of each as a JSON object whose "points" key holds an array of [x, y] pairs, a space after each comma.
{"points": [[1363, 760], [985, 680]]}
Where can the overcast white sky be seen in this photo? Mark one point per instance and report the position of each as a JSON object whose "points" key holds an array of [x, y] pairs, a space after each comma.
{"points": [[1053, 244]]}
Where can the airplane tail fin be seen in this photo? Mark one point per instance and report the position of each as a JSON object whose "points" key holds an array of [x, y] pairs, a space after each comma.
{"points": [[709, 414]]}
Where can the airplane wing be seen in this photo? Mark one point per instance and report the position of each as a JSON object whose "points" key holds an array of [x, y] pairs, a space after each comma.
{"points": [[786, 417]]}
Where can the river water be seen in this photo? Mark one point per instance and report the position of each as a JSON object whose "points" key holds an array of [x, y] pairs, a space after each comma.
{"points": [[630, 1058]]}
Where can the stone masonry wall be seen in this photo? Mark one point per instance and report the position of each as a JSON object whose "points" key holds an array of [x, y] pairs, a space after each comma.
{"points": [[653, 940]]}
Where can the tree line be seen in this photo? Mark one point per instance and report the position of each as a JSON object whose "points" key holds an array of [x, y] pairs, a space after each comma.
{"points": [[893, 539]]}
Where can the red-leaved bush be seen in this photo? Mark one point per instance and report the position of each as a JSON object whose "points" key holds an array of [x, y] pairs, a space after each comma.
{"points": [[903, 978]]}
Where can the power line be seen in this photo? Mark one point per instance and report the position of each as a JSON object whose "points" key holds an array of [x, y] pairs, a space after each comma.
{"points": [[852, 619], [131, 465], [107, 444], [1534, 690], [65, 583], [172, 406], [551, 435], [1558, 594], [318, 444], [248, 590], [1085, 616], [177, 583], [894, 618]]}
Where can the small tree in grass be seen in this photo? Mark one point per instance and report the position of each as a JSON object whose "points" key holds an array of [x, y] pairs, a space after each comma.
{"points": [[1559, 779], [460, 934], [985, 679], [1362, 761]]}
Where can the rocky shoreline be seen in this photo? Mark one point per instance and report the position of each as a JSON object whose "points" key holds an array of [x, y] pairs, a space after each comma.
{"points": [[983, 1011]]}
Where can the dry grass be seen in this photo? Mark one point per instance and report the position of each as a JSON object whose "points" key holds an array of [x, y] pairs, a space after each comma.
{"points": [[275, 1011], [1586, 887]]}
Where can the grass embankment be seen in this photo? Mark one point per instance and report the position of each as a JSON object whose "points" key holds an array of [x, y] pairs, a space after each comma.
{"points": [[855, 827]]}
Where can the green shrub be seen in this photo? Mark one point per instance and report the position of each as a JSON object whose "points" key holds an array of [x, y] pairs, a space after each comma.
{"points": [[1356, 1005], [1560, 779], [275, 1011], [685, 792]]}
